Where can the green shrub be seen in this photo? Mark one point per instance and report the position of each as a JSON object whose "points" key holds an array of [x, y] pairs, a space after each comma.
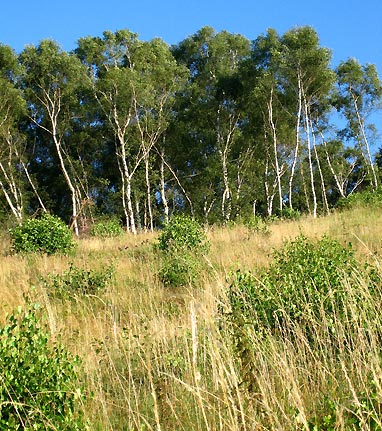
{"points": [[180, 268], [366, 198], [47, 234], [182, 244], [304, 283], [183, 233], [257, 224], [39, 387], [78, 281], [303, 279], [107, 228], [288, 213]]}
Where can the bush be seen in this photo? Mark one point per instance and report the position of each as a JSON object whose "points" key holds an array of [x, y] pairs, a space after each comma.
{"points": [[303, 279], [182, 244], [39, 387], [288, 213], [257, 224], [107, 228], [183, 233], [368, 198], [180, 269], [78, 281], [48, 234]]}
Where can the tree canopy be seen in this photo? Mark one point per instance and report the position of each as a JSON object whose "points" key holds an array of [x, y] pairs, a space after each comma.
{"points": [[216, 126]]}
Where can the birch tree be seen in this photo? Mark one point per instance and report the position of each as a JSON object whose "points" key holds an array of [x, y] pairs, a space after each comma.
{"points": [[359, 95], [134, 83], [15, 177], [52, 83], [212, 110], [308, 79]]}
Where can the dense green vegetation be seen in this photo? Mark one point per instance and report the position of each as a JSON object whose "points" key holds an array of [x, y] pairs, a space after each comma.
{"points": [[217, 127], [47, 234], [246, 311], [39, 382], [272, 326]]}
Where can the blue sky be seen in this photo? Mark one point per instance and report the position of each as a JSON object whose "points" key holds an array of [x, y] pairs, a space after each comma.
{"points": [[351, 28]]}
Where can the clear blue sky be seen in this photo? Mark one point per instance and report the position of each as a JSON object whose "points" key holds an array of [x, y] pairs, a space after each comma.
{"points": [[351, 28]]}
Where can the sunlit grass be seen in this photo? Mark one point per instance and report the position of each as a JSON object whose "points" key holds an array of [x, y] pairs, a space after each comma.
{"points": [[160, 358]]}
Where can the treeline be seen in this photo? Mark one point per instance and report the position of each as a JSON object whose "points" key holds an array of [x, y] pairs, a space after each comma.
{"points": [[217, 126]]}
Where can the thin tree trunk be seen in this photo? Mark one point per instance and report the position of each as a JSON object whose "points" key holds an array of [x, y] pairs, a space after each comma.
{"points": [[275, 154], [130, 206], [138, 214], [226, 198], [123, 192], [370, 160], [178, 181], [148, 192], [298, 123], [33, 186], [127, 179], [341, 184], [323, 188], [68, 182], [16, 211], [16, 205], [53, 108], [307, 200], [269, 196], [163, 190], [311, 172]]}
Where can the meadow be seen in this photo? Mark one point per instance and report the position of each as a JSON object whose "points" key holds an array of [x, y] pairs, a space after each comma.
{"points": [[158, 357]]}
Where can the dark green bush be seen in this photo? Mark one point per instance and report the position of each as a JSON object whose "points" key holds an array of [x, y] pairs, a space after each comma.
{"points": [[182, 244], [39, 387], [107, 228], [78, 281], [183, 233], [47, 234]]}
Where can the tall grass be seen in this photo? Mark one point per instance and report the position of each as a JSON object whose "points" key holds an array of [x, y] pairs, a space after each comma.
{"points": [[159, 358]]}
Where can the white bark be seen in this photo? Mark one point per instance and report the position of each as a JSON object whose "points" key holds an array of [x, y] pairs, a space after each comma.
{"points": [[298, 123], [275, 153], [361, 124], [163, 189], [311, 172], [52, 105]]}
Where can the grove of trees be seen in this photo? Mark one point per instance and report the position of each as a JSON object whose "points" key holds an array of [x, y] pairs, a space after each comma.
{"points": [[217, 126]]}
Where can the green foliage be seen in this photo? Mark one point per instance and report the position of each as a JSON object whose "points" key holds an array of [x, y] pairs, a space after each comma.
{"points": [[183, 233], [288, 213], [47, 234], [304, 279], [182, 243], [180, 268], [369, 198], [257, 224], [39, 387], [78, 281], [107, 228]]}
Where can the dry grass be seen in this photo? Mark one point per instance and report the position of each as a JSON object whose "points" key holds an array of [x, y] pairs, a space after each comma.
{"points": [[158, 359]]}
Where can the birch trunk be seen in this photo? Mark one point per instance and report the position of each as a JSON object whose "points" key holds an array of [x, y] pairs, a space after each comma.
{"points": [[366, 142], [148, 192], [275, 154], [163, 189], [322, 180], [298, 123], [311, 172]]}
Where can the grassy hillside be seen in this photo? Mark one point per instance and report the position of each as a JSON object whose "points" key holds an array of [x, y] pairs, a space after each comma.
{"points": [[172, 358]]}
